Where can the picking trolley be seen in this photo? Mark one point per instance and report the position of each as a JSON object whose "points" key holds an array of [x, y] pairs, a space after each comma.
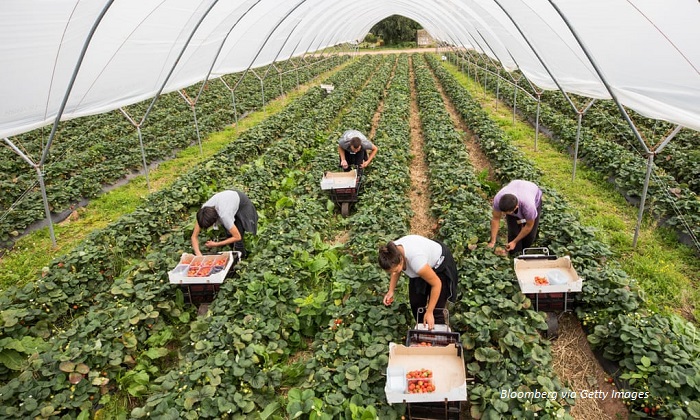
{"points": [[428, 373], [549, 281], [199, 277], [343, 188]]}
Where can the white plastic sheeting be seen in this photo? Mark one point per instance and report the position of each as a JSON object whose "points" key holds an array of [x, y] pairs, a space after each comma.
{"points": [[647, 50]]}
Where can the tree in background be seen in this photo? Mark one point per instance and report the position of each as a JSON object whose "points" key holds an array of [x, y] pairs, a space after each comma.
{"points": [[396, 30]]}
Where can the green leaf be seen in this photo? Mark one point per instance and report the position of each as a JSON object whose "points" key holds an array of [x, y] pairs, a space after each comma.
{"points": [[207, 391], [269, 410], [485, 354], [500, 406], [12, 359], [157, 352], [694, 409], [129, 340], [374, 350], [47, 411], [646, 362], [344, 334]]}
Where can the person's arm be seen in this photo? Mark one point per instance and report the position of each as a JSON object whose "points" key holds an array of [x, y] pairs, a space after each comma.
{"points": [[371, 156], [389, 296], [341, 153], [429, 275], [195, 239], [495, 225], [526, 229], [235, 237]]}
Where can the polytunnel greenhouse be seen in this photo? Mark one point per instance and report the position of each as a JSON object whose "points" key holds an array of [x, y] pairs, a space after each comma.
{"points": [[208, 208]]}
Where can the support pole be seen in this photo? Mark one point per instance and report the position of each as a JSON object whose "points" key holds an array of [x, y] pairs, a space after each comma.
{"points": [[143, 151], [262, 89], [650, 163], [40, 175], [515, 98], [537, 119], [281, 83], [193, 105], [143, 157], [233, 100], [498, 88], [579, 116]]}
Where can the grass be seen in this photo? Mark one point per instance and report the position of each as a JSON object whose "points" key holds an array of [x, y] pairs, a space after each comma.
{"points": [[24, 262], [667, 272]]}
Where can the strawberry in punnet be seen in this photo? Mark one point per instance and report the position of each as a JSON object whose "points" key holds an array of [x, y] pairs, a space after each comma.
{"points": [[420, 381]]}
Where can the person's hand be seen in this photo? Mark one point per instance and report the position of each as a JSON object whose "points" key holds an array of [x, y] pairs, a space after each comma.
{"points": [[491, 244], [197, 253], [364, 164], [211, 244], [511, 246], [388, 298], [429, 319], [344, 163]]}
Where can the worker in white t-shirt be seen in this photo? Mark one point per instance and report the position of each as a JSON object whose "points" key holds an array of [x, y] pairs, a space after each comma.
{"points": [[431, 270], [234, 211]]}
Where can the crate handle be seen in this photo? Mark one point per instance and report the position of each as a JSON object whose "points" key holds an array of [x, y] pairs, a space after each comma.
{"points": [[543, 254], [445, 312]]}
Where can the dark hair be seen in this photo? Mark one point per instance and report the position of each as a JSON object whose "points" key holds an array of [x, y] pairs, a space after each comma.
{"points": [[207, 216], [389, 256], [355, 142], [507, 203]]}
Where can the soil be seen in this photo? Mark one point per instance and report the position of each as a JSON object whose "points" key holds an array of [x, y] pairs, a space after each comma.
{"points": [[578, 369], [422, 223]]}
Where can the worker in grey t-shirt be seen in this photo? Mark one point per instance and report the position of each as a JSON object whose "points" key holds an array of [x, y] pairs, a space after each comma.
{"points": [[353, 149], [234, 211], [521, 202]]}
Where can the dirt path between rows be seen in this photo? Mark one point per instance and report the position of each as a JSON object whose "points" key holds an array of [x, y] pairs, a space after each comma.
{"points": [[422, 222]]}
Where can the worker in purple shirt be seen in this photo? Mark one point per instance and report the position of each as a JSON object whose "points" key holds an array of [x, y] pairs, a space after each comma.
{"points": [[521, 202]]}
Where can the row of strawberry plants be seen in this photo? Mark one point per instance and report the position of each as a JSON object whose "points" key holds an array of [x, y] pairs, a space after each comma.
{"points": [[671, 205], [283, 287], [680, 158], [505, 351], [31, 328], [657, 355], [95, 151], [350, 353]]}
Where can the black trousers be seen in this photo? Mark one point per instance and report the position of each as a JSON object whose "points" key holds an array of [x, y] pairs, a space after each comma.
{"points": [[355, 159], [514, 229], [246, 220], [419, 289]]}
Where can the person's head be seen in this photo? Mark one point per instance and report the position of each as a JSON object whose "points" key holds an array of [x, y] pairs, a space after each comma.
{"points": [[206, 217], [508, 203], [355, 144], [390, 257]]}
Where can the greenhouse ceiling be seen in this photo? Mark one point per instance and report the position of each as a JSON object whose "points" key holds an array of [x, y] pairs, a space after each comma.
{"points": [[71, 58]]}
